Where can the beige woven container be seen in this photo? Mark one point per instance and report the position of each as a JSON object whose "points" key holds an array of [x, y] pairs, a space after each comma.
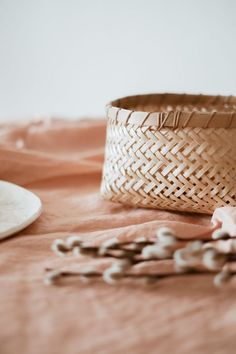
{"points": [[171, 151]]}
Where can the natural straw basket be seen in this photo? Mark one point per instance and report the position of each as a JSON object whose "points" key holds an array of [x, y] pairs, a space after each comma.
{"points": [[171, 151]]}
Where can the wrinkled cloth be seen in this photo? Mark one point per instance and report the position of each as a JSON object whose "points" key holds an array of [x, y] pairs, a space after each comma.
{"points": [[61, 161], [226, 219]]}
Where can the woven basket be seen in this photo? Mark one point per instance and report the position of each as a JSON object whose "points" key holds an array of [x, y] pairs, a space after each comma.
{"points": [[171, 151]]}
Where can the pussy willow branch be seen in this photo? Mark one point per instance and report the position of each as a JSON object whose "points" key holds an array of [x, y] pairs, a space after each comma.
{"points": [[135, 256], [54, 277], [188, 257], [95, 274]]}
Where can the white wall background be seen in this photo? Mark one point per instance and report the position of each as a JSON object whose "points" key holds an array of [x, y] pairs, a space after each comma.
{"points": [[69, 57]]}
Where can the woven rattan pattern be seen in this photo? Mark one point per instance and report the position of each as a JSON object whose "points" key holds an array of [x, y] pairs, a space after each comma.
{"points": [[185, 169]]}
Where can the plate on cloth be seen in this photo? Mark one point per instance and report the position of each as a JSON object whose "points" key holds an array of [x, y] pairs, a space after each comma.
{"points": [[18, 208]]}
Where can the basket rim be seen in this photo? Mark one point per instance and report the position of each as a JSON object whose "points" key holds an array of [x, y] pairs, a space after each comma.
{"points": [[217, 111]]}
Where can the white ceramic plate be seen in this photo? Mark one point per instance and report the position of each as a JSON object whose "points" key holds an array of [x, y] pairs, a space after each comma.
{"points": [[18, 208]]}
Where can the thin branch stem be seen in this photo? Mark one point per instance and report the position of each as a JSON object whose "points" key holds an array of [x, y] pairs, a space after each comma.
{"points": [[95, 274]]}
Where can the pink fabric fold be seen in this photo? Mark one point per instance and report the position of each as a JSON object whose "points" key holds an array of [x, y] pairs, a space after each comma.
{"points": [[61, 161], [226, 217]]}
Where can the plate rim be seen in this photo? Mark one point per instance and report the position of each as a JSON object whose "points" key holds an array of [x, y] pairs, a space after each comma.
{"points": [[29, 221]]}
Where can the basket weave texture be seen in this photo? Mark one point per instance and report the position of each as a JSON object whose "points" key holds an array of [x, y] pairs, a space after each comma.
{"points": [[171, 151]]}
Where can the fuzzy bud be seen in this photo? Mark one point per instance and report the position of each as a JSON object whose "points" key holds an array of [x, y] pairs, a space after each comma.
{"points": [[213, 260], [73, 241], [164, 231], [106, 245], [51, 277], [222, 278], [112, 275], [157, 251], [59, 247]]}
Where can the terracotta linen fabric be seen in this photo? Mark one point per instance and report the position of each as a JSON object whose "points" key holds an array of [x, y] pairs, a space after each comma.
{"points": [[61, 161]]}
